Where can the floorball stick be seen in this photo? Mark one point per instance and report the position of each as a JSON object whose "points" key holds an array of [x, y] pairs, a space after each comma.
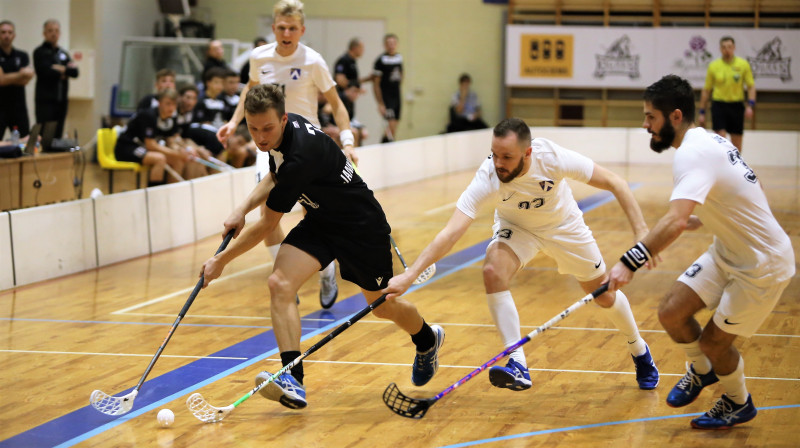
{"points": [[424, 276], [110, 405], [406, 406]]}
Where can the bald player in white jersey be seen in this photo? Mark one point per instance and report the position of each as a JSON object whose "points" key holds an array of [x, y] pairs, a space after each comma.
{"points": [[301, 72], [742, 274], [535, 211]]}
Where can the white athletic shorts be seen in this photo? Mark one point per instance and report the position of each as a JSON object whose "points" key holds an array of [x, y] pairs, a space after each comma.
{"points": [[262, 165], [741, 306], [574, 249]]}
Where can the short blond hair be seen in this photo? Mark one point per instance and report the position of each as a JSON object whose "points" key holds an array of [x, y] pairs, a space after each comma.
{"points": [[289, 8]]}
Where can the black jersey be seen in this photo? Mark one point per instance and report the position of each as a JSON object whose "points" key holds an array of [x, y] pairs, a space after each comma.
{"points": [[348, 67], [215, 111], [310, 168], [148, 124], [13, 96], [390, 69]]}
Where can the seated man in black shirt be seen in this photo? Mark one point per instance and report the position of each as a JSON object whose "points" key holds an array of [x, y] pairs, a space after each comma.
{"points": [[344, 221], [211, 109], [165, 78], [144, 139]]}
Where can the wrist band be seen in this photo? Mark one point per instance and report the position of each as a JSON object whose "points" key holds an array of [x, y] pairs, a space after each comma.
{"points": [[346, 137], [635, 257], [702, 111], [751, 103]]}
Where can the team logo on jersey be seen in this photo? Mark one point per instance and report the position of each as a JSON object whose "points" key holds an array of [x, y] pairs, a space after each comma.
{"points": [[305, 200], [546, 185], [295, 73]]}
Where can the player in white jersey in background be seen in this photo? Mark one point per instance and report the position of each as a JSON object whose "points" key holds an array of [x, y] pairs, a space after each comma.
{"points": [[535, 211], [300, 71], [742, 274]]}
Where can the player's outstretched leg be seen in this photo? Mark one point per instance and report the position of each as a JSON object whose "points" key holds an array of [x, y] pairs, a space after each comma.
{"points": [[285, 389], [426, 363], [328, 289], [689, 387], [726, 414]]}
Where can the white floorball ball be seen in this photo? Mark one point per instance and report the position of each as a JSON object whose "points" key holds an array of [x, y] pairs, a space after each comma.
{"points": [[165, 417]]}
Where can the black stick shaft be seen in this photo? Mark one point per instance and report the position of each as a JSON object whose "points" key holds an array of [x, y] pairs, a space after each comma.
{"points": [[397, 251], [182, 313]]}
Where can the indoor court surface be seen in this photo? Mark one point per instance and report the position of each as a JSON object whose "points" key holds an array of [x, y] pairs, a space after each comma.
{"points": [[99, 329]]}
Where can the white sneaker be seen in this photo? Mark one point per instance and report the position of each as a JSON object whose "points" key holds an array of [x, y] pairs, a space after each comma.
{"points": [[328, 289]]}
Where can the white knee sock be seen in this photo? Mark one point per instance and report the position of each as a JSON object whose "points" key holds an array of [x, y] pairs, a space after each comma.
{"points": [[621, 316], [274, 250], [734, 385], [699, 360], [506, 318], [329, 271]]}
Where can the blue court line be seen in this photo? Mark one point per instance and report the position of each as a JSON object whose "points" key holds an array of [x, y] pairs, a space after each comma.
{"points": [[84, 423], [594, 425]]}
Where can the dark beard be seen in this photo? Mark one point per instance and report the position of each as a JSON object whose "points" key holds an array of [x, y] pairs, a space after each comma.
{"points": [[666, 136], [512, 175]]}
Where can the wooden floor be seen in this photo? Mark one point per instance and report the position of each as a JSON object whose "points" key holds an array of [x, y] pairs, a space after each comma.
{"points": [[99, 329]]}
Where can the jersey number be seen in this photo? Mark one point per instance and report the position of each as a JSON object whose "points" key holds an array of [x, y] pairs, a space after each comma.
{"points": [[311, 128]]}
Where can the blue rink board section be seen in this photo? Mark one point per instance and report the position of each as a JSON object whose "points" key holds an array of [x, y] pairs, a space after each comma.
{"points": [[86, 422]]}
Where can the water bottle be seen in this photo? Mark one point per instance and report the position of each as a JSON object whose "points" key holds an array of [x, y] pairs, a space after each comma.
{"points": [[15, 136]]}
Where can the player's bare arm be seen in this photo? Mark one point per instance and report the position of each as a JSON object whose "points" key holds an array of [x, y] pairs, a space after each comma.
{"points": [[230, 127], [441, 245], [667, 230], [251, 236], [342, 119], [256, 197], [610, 181]]}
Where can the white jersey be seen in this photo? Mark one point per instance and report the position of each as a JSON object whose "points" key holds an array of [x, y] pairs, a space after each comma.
{"points": [[300, 75], [538, 201], [748, 241]]}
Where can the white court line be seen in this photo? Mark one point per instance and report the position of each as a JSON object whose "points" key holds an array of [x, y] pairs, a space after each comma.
{"points": [[529, 368], [225, 317], [439, 209], [48, 352], [185, 290]]}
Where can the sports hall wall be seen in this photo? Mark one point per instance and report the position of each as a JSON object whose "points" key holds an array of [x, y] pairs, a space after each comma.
{"points": [[55, 240]]}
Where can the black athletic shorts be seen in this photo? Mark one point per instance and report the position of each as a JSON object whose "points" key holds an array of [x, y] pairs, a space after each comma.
{"points": [[129, 152], [727, 116], [392, 107], [364, 259]]}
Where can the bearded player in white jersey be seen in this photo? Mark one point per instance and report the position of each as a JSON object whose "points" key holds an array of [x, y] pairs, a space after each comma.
{"points": [[300, 72], [535, 211], [741, 275]]}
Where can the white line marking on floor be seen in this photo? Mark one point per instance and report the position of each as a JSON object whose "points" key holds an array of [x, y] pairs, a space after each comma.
{"points": [[50, 352], [186, 290], [440, 209]]}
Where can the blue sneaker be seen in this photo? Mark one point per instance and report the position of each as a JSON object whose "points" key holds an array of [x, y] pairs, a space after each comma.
{"points": [[646, 371], [513, 376], [285, 390], [426, 364], [726, 414], [689, 387]]}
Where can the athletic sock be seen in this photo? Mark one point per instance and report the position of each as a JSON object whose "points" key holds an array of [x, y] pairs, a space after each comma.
{"points": [[274, 250], [700, 362], [506, 319], [297, 371], [328, 271], [733, 384], [155, 183], [621, 316], [424, 339]]}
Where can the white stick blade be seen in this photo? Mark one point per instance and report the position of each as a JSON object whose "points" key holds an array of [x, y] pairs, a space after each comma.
{"points": [[426, 274], [204, 412], [112, 405]]}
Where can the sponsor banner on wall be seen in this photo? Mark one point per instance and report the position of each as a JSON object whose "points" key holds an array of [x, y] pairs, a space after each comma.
{"points": [[621, 57]]}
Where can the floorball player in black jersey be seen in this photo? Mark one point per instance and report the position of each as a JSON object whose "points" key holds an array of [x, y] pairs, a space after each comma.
{"points": [[344, 221]]}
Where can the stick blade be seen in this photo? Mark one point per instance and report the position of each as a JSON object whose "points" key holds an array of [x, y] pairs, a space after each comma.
{"points": [[112, 405], [205, 412], [404, 405], [425, 275]]}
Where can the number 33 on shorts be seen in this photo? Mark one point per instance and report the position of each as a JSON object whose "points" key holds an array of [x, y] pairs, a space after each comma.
{"points": [[503, 233]]}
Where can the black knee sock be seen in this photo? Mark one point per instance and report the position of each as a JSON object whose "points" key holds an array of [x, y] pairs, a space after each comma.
{"points": [[424, 339], [297, 371], [155, 183]]}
